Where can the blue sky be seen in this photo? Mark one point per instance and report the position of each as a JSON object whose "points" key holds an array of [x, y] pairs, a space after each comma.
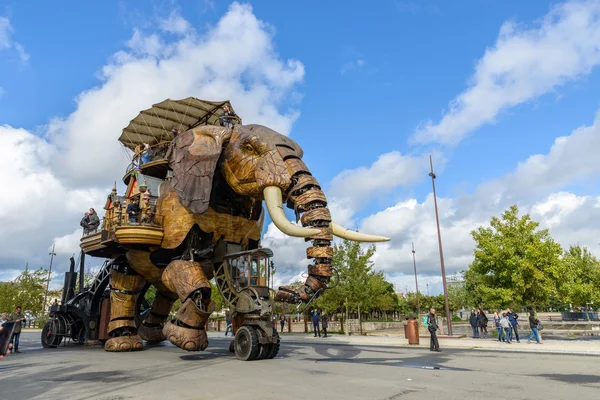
{"points": [[364, 81]]}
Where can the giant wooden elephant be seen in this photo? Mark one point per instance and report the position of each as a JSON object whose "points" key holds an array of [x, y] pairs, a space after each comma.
{"points": [[220, 176]]}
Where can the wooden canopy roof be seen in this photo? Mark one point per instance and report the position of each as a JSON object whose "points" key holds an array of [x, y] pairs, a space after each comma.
{"points": [[154, 125]]}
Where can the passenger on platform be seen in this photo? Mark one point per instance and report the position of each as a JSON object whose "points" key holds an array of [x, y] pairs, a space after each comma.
{"points": [[147, 217], [226, 117], [146, 153], [93, 221], [84, 223], [133, 210], [137, 154]]}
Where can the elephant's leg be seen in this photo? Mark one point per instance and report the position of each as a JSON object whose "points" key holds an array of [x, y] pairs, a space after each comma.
{"points": [[188, 280], [125, 287], [151, 329]]}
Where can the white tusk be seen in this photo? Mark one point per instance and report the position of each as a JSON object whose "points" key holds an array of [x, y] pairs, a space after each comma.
{"points": [[344, 233], [275, 209]]}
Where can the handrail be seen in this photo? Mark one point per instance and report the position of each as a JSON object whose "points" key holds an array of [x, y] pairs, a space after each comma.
{"points": [[121, 219]]}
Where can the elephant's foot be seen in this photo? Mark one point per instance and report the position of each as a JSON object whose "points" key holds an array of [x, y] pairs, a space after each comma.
{"points": [[189, 339], [124, 343], [152, 334]]}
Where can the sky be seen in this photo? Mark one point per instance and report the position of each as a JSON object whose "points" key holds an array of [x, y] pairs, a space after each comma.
{"points": [[502, 95]]}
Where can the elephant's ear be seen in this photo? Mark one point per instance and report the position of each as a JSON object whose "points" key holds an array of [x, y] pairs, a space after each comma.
{"points": [[193, 157]]}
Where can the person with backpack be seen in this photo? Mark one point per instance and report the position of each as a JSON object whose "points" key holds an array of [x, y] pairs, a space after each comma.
{"points": [[473, 323], [482, 321], [432, 327], [533, 324]]}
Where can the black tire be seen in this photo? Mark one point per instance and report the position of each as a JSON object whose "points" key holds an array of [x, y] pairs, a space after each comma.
{"points": [[274, 347], [265, 350], [50, 339], [232, 347], [246, 343]]}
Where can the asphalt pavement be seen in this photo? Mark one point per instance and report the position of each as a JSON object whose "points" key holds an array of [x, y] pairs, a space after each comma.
{"points": [[306, 368]]}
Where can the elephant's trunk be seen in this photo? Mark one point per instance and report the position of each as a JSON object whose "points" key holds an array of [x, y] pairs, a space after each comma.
{"points": [[308, 201]]}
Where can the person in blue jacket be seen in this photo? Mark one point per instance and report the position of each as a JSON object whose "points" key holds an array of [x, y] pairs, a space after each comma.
{"points": [[315, 320]]}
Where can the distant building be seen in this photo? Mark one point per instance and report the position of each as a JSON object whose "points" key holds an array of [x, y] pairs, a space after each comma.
{"points": [[399, 294]]}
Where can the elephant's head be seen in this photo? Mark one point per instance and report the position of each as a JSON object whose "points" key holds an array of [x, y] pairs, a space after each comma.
{"points": [[262, 164]]}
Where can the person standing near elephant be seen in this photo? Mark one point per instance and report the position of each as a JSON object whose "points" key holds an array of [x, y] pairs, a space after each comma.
{"points": [[315, 321], [324, 320], [282, 321], [482, 321], [433, 327], [18, 318], [473, 323], [514, 323]]}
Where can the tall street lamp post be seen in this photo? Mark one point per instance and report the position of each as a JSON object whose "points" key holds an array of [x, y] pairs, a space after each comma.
{"points": [[437, 221], [48, 282], [416, 282]]}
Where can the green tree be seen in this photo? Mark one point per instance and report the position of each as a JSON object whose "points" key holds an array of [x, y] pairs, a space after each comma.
{"points": [[27, 291], [514, 262], [458, 297], [579, 277], [355, 267]]}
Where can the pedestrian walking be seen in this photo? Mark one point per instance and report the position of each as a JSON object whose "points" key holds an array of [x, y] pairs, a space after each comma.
{"points": [[533, 324], [473, 323], [229, 327], [433, 327]]}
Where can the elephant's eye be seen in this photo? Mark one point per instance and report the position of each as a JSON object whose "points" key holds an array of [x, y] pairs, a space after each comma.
{"points": [[248, 147]]}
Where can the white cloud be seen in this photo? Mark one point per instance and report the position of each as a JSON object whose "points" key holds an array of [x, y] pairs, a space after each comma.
{"points": [[387, 172], [36, 204], [175, 24], [49, 182], [5, 32], [524, 64], [6, 41], [234, 60]]}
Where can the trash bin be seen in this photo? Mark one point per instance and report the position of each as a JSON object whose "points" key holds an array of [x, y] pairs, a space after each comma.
{"points": [[412, 332]]}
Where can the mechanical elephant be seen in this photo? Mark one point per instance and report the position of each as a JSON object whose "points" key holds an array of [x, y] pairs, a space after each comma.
{"points": [[220, 177]]}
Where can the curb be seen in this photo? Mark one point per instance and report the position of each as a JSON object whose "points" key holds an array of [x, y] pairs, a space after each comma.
{"points": [[336, 342]]}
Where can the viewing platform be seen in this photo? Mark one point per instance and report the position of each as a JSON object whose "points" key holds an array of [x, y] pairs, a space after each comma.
{"points": [[130, 219]]}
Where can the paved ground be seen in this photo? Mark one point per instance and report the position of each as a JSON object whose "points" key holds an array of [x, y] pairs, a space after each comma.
{"points": [[306, 368]]}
